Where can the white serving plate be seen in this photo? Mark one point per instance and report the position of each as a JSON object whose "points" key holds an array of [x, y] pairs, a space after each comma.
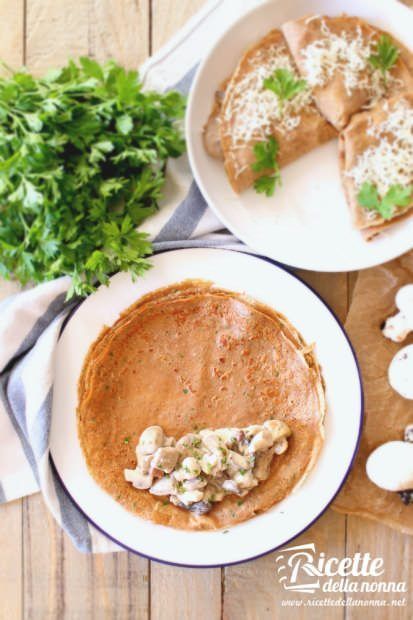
{"points": [[272, 285], [306, 223]]}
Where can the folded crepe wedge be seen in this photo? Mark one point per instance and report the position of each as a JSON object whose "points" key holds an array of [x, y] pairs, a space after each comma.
{"points": [[376, 149], [251, 113], [187, 357], [332, 54]]}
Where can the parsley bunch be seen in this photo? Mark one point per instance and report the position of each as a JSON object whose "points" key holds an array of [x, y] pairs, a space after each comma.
{"points": [[82, 164], [396, 196]]}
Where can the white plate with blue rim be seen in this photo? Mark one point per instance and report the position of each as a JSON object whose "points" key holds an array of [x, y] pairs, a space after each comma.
{"points": [[307, 222], [271, 284]]}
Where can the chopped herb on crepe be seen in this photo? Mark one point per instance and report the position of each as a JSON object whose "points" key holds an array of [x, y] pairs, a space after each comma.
{"points": [[396, 196], [284, 84], [386, 55], [82, 164]]}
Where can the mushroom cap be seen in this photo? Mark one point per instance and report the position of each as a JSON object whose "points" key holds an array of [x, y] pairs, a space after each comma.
{"points": [[390, 466], [401, 372]]}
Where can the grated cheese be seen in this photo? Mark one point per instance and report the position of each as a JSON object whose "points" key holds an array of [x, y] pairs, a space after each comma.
{"points": [[390, 162], [252, 111], [348, 53]]}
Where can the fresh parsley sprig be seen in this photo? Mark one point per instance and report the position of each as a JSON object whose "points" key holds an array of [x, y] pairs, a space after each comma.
{"points": [[396, 196], [285, 85], [266, 153], [386, 55], [82, 164]]}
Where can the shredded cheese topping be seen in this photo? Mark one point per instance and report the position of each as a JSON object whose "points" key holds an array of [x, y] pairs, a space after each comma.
{"points": [[390, 162], [348, 53], [251, 110]]}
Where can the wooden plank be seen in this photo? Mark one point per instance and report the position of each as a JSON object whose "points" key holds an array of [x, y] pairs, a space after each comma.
{"points": [[60, 582], [11, 539], [397, 551], [119, 30], [168, 16], [184, 593], [63, 583], [12, 31], [58, 30]]}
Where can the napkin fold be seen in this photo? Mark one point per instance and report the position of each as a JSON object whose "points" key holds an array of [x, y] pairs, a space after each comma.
{"points": [[31, 321]]}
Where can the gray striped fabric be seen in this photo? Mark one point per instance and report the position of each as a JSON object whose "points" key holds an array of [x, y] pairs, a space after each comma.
{"points": [[31, 321]]}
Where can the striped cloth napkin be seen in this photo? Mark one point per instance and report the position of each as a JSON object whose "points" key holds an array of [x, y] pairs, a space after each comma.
{"points": [[31, 321]]}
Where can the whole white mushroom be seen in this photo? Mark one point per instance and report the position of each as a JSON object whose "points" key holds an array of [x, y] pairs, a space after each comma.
{"points": [[390, 466], [401, 372], [398, 327]]}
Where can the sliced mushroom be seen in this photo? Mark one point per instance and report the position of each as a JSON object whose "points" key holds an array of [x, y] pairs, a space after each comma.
{"points": [[211, 464], [185, 444], [261, 441], [163, 486], [231, 487], [235, 462], [144, 462], [190, 497], [190, 468], [213, 493], [262, 464], [151, 439], [138, 479], [245, 480], [201, 508], [211, 440], [281, 446], [277, 428], [194, 484], [165, 459]]}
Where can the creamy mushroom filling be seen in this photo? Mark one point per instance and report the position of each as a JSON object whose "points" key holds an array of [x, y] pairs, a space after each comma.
{"points": [[201, 468]]}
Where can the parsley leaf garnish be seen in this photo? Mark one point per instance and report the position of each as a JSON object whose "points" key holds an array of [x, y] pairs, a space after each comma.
{"points": [[386, 55], [267, 184], [82, 164], [396, 196], [266, 153], [284, 84]]}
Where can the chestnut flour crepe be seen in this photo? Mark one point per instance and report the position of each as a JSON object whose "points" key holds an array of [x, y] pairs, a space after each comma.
{"points": [[386, 413], [364, 135], [332, 54], [249, 113], [192, 356]]}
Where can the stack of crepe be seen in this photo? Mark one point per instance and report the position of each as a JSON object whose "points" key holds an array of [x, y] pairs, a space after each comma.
{"points": [[338, 97]]}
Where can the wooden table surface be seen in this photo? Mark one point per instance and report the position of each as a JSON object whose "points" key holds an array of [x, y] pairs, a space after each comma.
{"points": [[41, 575]]}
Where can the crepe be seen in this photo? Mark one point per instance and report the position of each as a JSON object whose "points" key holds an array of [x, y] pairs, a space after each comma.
{"points": [[192, 356], [359, 146], [211, 135], [332, 54], [386, 413], [251, 114]]}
